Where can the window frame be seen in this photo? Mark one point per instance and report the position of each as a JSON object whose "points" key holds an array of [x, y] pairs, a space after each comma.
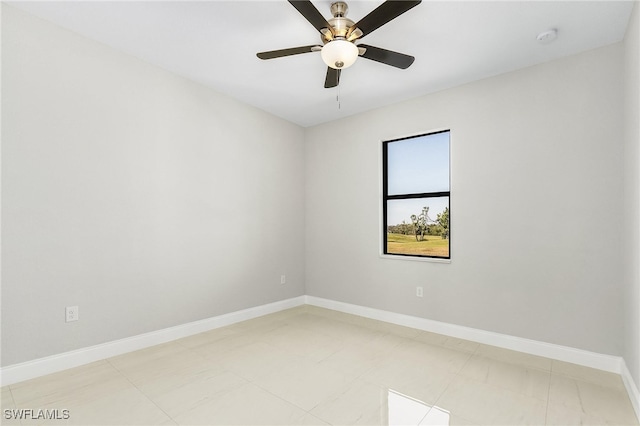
{"points": [[385, 197]]}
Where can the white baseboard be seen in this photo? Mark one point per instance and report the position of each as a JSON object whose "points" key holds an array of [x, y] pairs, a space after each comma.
{"points": [[632, 388], [51, 364], [609, 363], [39, 367]]}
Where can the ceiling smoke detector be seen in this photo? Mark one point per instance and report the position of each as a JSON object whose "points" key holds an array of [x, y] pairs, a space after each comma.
{"points": [[546, 37]]}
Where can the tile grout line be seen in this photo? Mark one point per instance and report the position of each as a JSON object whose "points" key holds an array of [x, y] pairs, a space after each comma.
{"points": [[475, 353], [308, 412], [456, 374], [140, 390], [546, 410], [13, 400], [290, 402], [346, 389]]}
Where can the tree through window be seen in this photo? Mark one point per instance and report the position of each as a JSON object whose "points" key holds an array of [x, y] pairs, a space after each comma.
{"points": [[416, 196]]}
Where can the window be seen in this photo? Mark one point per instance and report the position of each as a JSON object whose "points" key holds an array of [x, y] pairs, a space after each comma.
{"points": [[415, 196]]}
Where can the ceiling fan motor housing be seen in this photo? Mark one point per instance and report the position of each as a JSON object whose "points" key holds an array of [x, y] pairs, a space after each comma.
{"points": [[340, 24]]}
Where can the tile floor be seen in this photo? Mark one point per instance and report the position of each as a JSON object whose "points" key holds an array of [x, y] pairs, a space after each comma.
{"points": [[312, 366]]}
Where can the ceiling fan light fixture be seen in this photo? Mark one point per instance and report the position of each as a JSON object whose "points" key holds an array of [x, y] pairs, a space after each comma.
{"points": [[339, 53]]}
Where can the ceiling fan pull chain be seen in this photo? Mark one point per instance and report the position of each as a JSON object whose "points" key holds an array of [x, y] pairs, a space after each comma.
{"points": [[338, 97]]}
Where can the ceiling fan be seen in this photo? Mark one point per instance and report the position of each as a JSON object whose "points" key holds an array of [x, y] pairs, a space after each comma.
{"points": [[339, 34]]}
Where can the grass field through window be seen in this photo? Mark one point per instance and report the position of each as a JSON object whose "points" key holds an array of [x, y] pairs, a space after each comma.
{"points": [[432, 245]]}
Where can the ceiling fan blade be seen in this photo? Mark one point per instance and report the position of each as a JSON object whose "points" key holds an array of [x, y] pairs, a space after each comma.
{"points": [[333, 78], [389, 57], [311, 14], [287, 52], [384, 13]]}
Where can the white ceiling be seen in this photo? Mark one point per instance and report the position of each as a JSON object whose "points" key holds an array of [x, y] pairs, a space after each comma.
{"points": [[215, 43]]}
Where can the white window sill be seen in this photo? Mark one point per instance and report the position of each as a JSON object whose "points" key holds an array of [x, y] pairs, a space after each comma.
{"points": [[415, 258]]}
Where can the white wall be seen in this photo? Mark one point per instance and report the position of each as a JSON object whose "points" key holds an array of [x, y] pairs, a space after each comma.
{"points": [[631, 352], [151, 201], [535, 205], [145, 199]]}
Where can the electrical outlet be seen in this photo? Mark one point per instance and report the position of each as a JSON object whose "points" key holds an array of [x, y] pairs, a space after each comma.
{"points": [[283, 279], [71, 313], [419, 291]]}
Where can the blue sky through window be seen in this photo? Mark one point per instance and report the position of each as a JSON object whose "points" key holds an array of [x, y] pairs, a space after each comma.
{"points": [[418, 167]]}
